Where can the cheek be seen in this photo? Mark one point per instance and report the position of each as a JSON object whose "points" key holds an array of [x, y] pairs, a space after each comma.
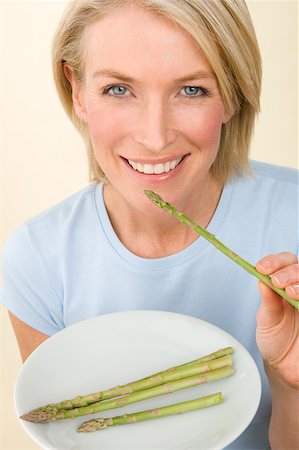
{"points": [[204, 128], [103, 131]]}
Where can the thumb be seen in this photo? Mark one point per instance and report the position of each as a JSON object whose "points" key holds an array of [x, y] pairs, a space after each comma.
{"points": [[270, 311]]}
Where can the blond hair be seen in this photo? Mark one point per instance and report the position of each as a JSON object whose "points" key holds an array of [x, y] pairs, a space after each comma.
{"points": [[224, 31]]}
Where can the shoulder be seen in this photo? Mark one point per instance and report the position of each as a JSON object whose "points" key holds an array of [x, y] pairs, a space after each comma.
{"points": [[66, 209], [63, 219], [262, 214], [274, 173], [47, 230], [269, 183], [267, 192]]}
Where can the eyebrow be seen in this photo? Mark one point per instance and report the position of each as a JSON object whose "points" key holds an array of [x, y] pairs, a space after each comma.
{"points": [[108, 73], [196, 76]]}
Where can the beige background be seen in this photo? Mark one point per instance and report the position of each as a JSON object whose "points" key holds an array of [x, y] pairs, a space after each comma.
{"points": [[43, 158]]}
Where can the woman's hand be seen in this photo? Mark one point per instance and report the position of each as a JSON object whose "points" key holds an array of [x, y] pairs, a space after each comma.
{"points": [[278, 321], [277, 338]]}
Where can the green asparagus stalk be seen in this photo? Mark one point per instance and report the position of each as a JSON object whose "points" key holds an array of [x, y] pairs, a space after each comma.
{"points": [[134, 386], [167, 388], [157, 200], [179, 408]]}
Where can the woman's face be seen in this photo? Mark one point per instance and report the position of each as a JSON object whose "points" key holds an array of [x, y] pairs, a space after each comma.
{"points": [[152, 106]]}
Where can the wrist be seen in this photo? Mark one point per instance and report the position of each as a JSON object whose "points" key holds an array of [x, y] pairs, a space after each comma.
{"points": [[284, 425], [279, 382]]}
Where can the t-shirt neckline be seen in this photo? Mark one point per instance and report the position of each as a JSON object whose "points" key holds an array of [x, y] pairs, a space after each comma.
{"points": [[176, 259]]}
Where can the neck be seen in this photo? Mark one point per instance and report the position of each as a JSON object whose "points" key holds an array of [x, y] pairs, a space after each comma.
{"points": [[160, 234]]}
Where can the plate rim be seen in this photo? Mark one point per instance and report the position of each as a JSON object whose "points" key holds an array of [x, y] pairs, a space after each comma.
{"points": [[136, 313]]}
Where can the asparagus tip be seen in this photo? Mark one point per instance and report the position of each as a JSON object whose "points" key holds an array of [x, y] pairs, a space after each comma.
{"points": [[35, 417], [155, 198], [92, 425]]}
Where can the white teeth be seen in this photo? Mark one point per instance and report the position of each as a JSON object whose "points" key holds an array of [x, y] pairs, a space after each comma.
{"points": [[172, 165], [155, 168], [148, 168], [159, 168]]}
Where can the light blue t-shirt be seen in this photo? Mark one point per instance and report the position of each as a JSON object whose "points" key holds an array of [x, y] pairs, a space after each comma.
{"points": [[67, 264]]}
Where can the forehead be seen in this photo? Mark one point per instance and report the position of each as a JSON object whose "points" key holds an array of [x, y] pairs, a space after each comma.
{"points": [[133, 35]]}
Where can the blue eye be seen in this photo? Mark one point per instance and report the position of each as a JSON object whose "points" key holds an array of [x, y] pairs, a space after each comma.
{"points": [[117, 90], [195, 91]]}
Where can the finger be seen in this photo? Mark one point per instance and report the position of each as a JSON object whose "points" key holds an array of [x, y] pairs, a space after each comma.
{"points": [[293, 291], [273, 263], [270, 311], [288, 275]]}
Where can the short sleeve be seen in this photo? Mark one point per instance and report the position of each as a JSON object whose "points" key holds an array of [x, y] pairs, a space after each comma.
{"points": [[27, 291]]}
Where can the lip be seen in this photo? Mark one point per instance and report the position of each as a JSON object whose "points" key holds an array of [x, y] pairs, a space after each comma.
{"points": [[155, 161], [154, 179]]}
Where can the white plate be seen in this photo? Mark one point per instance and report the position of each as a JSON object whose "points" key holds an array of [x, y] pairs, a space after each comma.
{"points": [[117, 348]]}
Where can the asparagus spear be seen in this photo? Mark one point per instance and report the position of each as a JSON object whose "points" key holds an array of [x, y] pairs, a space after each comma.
{"points": [[157, 200], [134, 386], [179, 408], [166, 388]]}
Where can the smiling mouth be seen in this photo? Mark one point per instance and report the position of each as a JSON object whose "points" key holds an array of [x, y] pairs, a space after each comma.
{"points": [[155, 169]]}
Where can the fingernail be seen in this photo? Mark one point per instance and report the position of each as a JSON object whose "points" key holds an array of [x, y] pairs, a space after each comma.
{"points": [[294, 289], [281, 278], [266, 265]]}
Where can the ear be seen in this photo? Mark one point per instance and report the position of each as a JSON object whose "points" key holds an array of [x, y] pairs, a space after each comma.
{"points": [[77, 94], [228, 114]]}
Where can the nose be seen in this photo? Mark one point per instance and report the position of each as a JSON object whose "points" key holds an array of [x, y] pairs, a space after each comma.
{"points": [[153, 129]]}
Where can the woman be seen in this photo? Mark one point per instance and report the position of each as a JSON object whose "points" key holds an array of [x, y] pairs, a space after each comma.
{"points": [[165, 94]]}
